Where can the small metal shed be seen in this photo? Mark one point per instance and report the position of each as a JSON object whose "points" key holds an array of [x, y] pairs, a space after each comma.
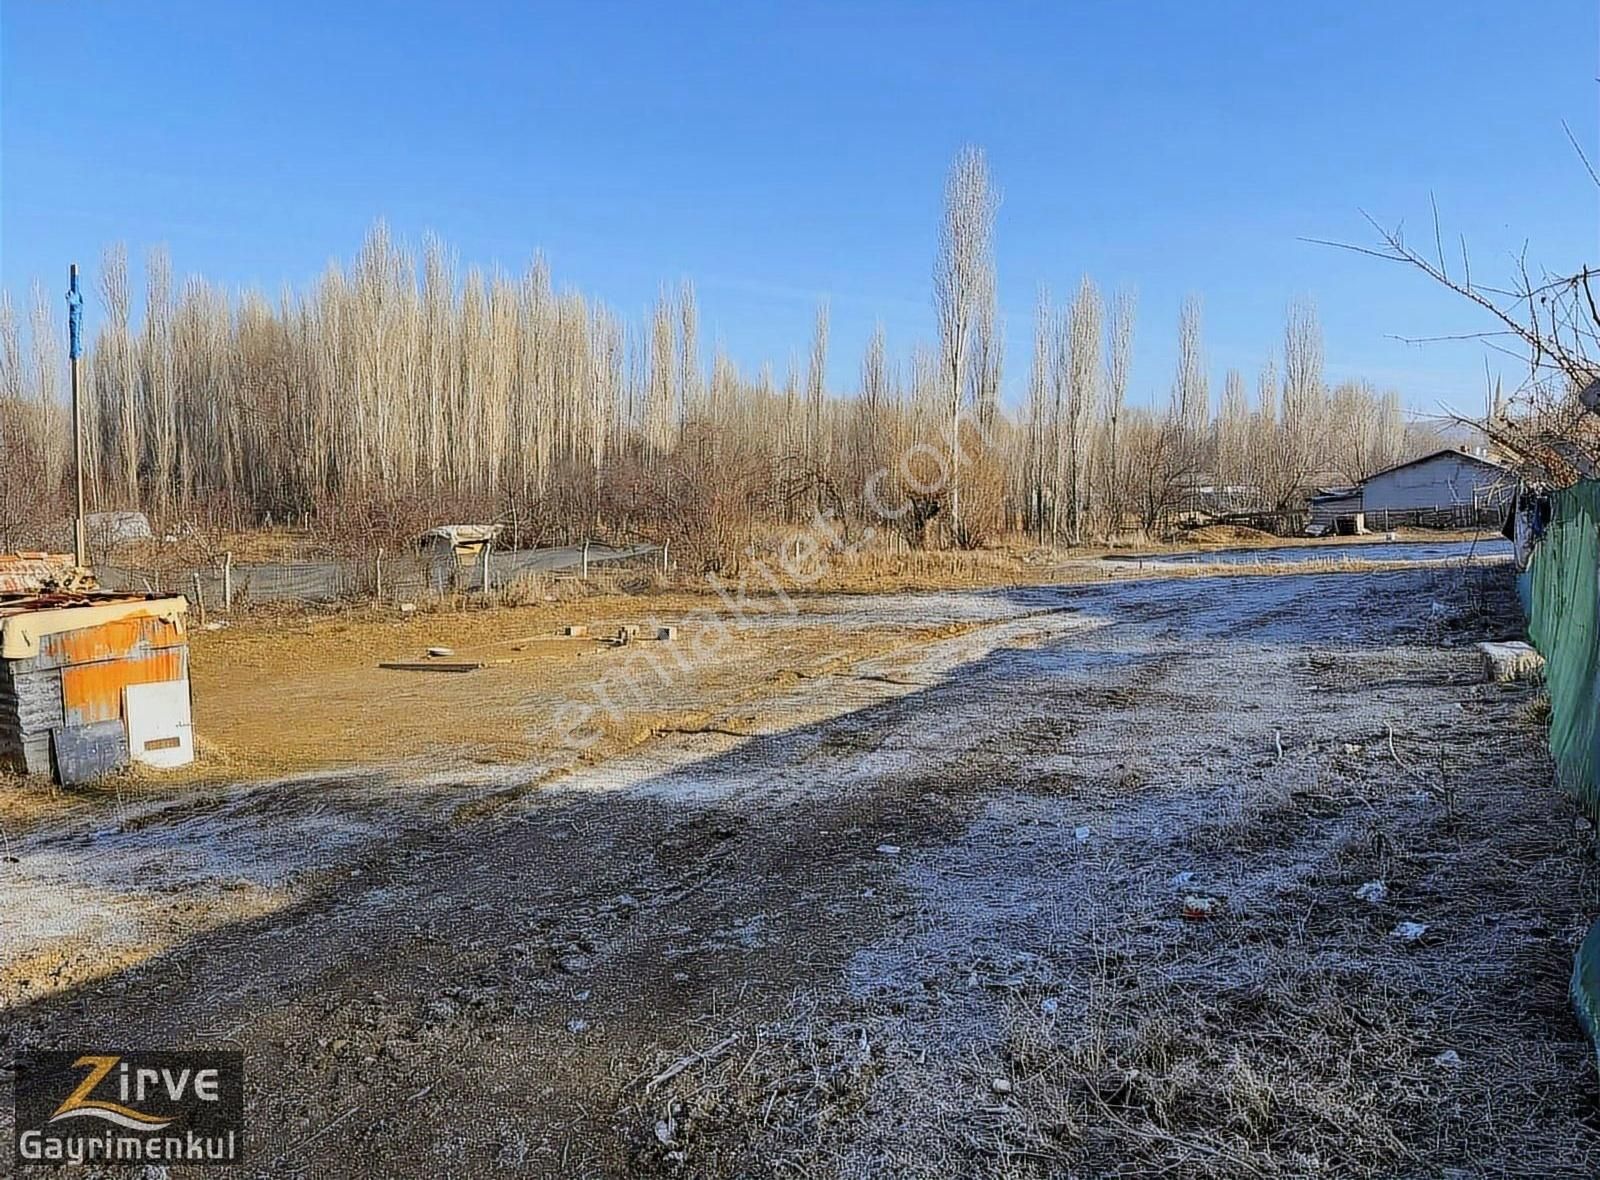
{"points": [[91, 681], [462, 543], [1335, 510], [454, 551]]}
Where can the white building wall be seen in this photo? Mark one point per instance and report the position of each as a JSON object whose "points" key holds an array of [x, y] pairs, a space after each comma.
{"points": [[1440, 482]]}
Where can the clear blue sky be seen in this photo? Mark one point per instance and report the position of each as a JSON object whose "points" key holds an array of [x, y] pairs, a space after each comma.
{"points": [[780, 153]]}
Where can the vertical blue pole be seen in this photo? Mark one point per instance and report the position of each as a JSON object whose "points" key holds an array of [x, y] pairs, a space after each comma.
{"points": [[74, 354]]}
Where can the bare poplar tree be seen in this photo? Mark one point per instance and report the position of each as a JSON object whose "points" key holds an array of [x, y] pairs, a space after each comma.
{"points": [[658, 396], [46, 417], [988, 348], [1040, 465], [1191, 396], [868, 438], [1300, 419], [116, 383], [1083, 379], [962, 272], [1365, 432], [1119, 359], [689, 381], [815, 429], [12, 378], [1233, 433]]}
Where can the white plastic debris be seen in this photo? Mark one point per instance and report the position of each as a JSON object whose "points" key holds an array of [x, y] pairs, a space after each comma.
{"points": [[1196, 906], [1081, 834], [1375, 892], [1181, 879], [407, 608], [577, 1026], [1000, 1085], [1449, 1059], [889, 849], [1438, 610], [1049, 1006], [1409, 931]]}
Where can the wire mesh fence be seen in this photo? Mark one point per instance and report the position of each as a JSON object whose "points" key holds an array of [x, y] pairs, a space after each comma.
{"points": [[226, 584]]}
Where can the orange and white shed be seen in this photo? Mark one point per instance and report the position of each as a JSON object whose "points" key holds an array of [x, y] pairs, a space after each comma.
{"points": [[90, 681]]}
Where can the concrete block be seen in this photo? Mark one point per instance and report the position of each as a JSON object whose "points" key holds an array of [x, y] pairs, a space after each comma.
{"points": [[666, 634], [575, 631], [1510, 661]]}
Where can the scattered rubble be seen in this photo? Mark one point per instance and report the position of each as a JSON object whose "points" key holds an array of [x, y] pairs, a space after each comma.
{"points": [[1510, 661]]}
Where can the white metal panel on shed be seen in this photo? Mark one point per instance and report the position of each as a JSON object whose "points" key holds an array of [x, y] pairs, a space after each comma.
{"points": [[160, 730], [1444, 480]]}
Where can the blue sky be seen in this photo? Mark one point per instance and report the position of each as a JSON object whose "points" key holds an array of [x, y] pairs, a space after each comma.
{"points": [[778, 154]]}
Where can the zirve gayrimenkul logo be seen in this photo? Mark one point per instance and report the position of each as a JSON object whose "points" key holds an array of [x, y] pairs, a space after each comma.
{"points": [[167, 1107]]}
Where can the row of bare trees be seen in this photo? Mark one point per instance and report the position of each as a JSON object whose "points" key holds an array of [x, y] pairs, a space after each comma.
{"points": [[1096, 466], [398, 389]]}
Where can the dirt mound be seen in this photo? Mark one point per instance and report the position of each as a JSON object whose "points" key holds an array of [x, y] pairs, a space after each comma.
{"points": [[1219, 534]]}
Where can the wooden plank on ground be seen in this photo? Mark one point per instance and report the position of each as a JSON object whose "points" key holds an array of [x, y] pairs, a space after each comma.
{"points": [[431, 666]]}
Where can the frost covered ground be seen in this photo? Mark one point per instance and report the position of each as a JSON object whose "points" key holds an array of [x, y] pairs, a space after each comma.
{"points": [[1069, 889]]}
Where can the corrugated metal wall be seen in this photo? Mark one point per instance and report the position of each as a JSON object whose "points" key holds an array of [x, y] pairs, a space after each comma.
{"points": [[1439, 482], [30, 707], [1562, 597]]}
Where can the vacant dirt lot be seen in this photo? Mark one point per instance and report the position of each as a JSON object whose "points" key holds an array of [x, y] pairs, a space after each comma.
{"points": [[916, 906]]}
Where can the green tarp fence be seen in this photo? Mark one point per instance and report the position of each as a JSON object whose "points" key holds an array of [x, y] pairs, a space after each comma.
{"points": [[1560, 590]]}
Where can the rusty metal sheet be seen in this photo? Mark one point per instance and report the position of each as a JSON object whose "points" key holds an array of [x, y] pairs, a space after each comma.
{"points": [[93, 692], [112, 640]]}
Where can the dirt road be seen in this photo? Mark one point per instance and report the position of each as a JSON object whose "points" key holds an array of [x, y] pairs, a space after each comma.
{"points": [[927, 921]]}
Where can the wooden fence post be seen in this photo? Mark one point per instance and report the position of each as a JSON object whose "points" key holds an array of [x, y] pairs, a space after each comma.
{"points": [[487, 545], [227, 582], [377, 576], [586, 559], [199, 598]]}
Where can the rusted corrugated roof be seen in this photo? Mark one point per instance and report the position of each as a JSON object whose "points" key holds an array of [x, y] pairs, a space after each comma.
{"points": [[24, 619], [25, 602]]}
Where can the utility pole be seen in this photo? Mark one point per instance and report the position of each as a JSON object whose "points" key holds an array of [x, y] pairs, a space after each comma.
{"points": [[75, 354]]}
